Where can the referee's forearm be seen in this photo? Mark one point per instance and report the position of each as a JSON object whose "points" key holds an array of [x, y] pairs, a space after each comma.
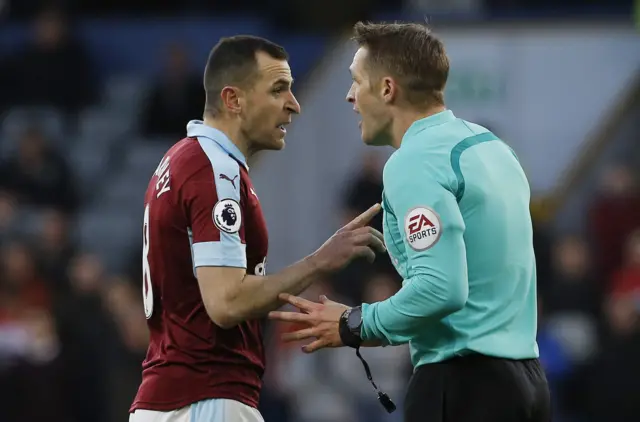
{"points": [[422, 298]]}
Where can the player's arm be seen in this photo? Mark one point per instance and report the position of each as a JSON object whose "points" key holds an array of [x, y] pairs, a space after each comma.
{"points": [[432, 227], [230, 295]]}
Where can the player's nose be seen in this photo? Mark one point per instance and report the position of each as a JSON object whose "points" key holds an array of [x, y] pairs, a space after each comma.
{"points": [[294, 105]]}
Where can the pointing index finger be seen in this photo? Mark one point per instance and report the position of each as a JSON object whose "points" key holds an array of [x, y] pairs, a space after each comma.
{"points": [[364, 218]]}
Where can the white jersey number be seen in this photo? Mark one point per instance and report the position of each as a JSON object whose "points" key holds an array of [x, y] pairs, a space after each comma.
{"points": [[261, 268], [147, 287]]}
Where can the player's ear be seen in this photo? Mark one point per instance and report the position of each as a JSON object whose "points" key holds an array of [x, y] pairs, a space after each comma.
{"points": [[230, 96], [389, 89]]}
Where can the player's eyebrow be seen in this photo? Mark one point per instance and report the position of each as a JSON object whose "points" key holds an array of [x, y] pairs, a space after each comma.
{"points": [[283, 81]]}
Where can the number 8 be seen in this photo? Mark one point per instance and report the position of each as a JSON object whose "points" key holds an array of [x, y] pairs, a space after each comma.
{"points": [[147, 288]]}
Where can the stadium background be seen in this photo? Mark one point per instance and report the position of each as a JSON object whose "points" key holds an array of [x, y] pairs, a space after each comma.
{"points": [[92, 93]]}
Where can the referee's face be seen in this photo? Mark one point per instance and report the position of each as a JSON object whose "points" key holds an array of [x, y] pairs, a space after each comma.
{"points": [[364, 94]]}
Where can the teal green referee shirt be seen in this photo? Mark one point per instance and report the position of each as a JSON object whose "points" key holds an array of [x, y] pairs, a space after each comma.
{"points": [[458, 229]]}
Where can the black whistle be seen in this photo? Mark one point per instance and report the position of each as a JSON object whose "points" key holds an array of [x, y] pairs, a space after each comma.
{"points": [[386, 402]]}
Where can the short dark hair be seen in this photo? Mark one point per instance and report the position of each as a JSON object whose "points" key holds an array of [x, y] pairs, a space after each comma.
{"points": [[410, 53], [232, 61]]}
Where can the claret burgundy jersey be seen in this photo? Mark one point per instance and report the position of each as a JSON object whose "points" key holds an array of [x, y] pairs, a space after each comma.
{"points": [[200, 209]]}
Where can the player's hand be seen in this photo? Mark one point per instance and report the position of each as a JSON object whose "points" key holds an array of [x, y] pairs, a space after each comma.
{"points": [[354, 240], [322, 320]]}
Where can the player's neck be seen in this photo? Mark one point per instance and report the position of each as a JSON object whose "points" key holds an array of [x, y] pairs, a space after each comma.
{"points": [[233, 132], [406, 118]]}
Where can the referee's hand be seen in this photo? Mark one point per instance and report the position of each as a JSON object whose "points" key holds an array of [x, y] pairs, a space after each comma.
{"points": [[321, 319]]}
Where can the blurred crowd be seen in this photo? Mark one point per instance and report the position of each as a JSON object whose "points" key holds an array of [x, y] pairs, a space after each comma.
{"points": [[73, 333]]}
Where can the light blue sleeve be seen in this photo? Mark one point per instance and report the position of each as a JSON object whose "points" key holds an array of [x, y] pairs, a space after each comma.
{"points": [[432, 229], [215, 239]]}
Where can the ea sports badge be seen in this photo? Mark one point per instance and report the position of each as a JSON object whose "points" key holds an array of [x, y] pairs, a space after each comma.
{"points": [[227, 216], [422, 228]]}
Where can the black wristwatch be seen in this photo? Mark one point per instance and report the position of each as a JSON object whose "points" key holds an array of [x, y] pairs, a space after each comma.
{"points": [[350, 326]]}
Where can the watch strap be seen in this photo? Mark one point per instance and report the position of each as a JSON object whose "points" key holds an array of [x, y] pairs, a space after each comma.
{"points": [[350, 335]]}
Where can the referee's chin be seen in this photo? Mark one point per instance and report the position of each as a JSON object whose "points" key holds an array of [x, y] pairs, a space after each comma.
{"points": [[380, 138], [374, 141]]}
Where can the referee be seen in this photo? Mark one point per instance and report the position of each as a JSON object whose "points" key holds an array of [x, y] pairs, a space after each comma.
{"points": [[458, 229]]}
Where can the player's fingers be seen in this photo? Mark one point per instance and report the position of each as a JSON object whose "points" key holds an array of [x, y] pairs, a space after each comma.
{"points": [[377, 234], [300, 334], [377, 244], [364, 218], [314, 346], [367, 253], [290, 316], [369, 230], [369, 239], [298, 302]]}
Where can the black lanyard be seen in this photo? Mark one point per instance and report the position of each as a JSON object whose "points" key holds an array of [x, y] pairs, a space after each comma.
{"points": [[383, 397]]}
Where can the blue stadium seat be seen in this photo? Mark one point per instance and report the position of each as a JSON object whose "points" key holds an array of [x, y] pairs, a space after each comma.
{"points": [[125, 92], [127, 187], [103, 124], [109, 233], [17, 120], [144, 155], [89, 161]]}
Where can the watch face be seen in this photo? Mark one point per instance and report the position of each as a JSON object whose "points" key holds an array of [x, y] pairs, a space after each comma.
{"points": [[355, 318]]}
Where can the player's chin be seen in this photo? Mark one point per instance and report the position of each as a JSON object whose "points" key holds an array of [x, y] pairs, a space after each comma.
{"points": [[275, 144]]}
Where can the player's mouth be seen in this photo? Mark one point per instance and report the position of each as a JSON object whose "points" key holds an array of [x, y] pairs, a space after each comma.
{"points": [[282, 128]]}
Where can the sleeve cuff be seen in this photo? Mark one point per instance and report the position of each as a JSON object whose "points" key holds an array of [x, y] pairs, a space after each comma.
{"points": [[368, 330], [215, 254]]}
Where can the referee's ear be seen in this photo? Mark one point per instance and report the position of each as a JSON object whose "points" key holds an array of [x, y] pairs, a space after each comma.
{"points": [[389, 89]]}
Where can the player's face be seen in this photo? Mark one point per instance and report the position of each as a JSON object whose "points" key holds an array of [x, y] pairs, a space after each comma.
{"points": [[366, 96], [270, 104]]}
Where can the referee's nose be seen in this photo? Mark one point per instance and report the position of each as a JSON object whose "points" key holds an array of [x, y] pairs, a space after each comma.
{"points": [[351, 98]]}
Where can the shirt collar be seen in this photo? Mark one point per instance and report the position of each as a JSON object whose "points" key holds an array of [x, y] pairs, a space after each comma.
{"points": [[428, 122], [197, 129]]}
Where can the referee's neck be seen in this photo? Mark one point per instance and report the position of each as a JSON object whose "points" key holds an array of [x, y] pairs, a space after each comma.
{"points": [[405, 118]]}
